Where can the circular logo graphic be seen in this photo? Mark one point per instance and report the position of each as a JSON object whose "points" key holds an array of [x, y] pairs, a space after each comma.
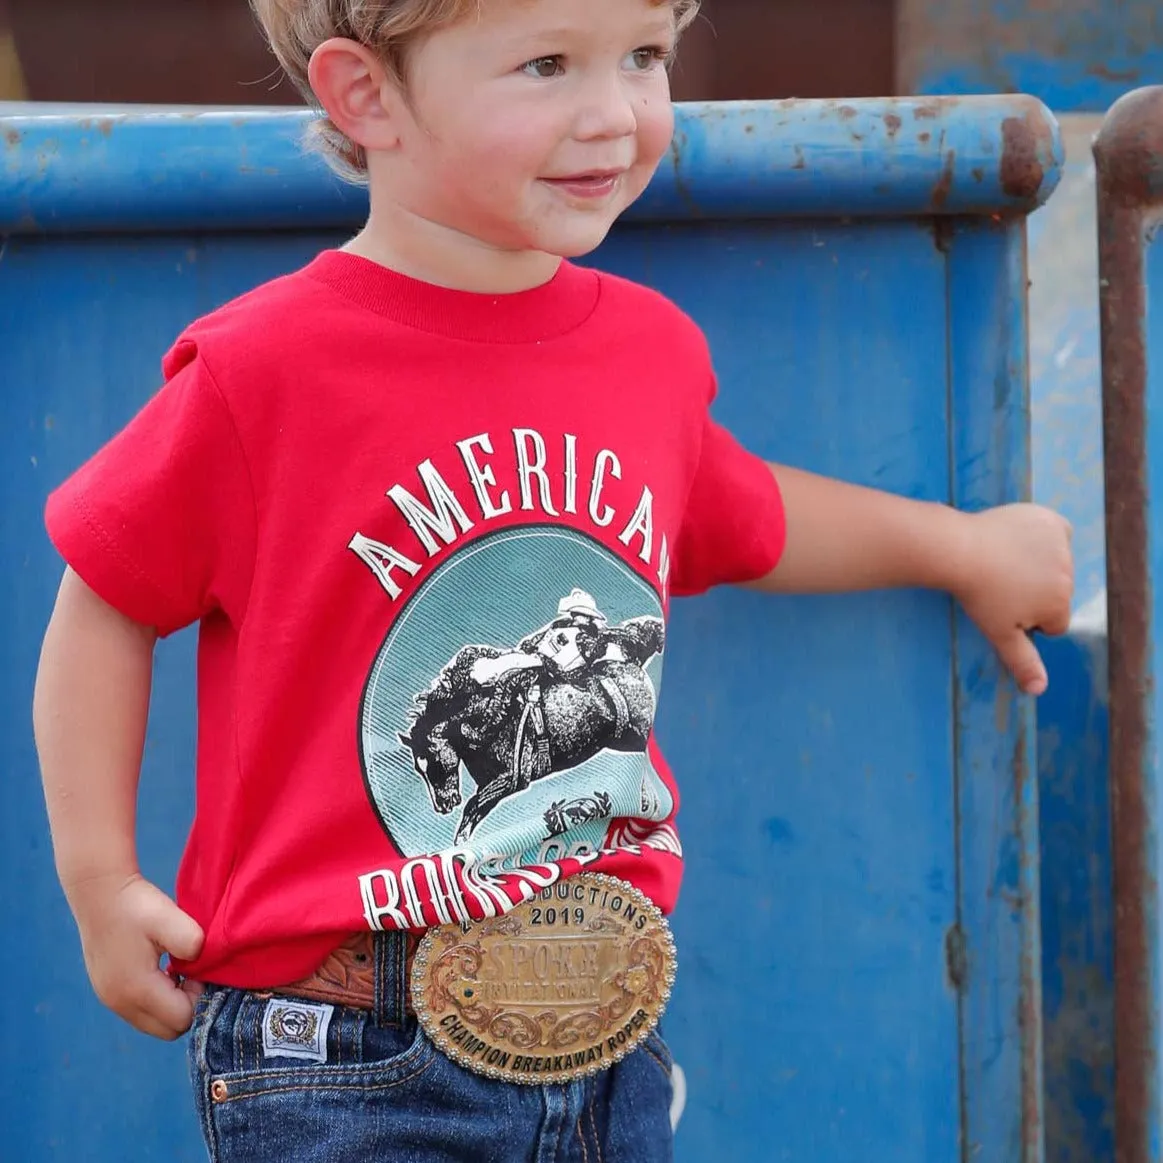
{"points": [[509, 708]]}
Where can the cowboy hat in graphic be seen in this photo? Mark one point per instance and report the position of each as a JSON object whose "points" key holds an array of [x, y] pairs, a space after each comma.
{"points": [[580, 604]]}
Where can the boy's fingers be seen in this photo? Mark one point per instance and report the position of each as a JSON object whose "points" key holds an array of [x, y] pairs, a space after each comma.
{"points": [[1057, 624], [174, 931], [1021, 656], [166, 1011]]}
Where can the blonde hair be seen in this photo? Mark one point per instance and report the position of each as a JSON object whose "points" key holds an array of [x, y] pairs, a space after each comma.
{"points": [[296, 28]]}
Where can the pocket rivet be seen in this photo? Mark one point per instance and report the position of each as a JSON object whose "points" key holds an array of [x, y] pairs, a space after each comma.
{"points": [[219, 1091]]}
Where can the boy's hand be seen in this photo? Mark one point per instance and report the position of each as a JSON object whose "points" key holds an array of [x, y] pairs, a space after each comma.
{"points": [[126, 925], [1018, 576]]}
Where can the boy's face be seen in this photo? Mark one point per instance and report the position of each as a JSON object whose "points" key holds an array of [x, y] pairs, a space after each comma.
{"points": [[532, 126]]}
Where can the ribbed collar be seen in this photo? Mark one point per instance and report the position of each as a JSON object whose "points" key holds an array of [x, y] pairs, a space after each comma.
{"points": [[554, 308]]}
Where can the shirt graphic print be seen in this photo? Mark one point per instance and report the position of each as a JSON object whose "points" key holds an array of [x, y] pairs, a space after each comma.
{"points": [[508, 711]]}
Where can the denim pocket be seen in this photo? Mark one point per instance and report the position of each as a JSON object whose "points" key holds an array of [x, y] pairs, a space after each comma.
{"points": [[654, 1047], [264, 1108]]}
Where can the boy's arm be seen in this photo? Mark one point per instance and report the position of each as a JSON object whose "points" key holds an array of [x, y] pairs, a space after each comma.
{"points": [[89, 712], [1009, 567]]}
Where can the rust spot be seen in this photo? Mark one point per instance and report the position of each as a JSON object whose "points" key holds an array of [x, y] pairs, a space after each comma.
{"points": [[978, 174], [1002, 713], [105, 126], [846, 112], [892, 124], [1021, 171], [1029, 995], [681, 184], [1126, 178], [924, 138], [944, 184], [749, 128], [1129, 149], [926, 112], [1121, 76], [13, 136], [800, 163]]}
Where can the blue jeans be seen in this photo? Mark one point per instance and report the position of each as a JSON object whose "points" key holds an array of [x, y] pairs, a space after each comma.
{"points": [[368, 1085]]}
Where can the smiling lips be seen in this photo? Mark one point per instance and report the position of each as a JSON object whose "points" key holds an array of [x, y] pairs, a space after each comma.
{"points": [[595, 184]]}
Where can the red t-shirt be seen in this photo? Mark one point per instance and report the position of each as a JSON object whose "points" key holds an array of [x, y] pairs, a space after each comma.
{"points": [[430, 538]]}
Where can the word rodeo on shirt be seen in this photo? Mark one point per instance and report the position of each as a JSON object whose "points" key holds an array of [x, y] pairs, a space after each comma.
{"points": [[443, 517]]}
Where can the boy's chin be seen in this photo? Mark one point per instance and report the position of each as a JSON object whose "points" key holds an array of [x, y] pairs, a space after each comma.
{"points": [[576, 244]]}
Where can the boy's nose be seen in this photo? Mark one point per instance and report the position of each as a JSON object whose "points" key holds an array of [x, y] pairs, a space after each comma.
{"points": [[608, 111]]}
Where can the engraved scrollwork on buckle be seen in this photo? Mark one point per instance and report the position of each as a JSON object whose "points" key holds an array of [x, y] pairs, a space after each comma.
{"points": [[561, 987]]}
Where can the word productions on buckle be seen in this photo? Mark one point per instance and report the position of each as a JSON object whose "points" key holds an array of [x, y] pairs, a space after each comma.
{"points": [[562, 987]]}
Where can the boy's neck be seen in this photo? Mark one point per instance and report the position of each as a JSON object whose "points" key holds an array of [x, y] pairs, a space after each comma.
{"points": [[435, 254]]}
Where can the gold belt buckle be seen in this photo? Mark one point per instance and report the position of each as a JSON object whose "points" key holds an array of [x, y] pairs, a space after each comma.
{"points": [[561, 987]]}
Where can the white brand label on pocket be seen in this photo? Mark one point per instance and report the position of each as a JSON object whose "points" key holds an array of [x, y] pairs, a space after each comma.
{"points": [[292, 1029]]}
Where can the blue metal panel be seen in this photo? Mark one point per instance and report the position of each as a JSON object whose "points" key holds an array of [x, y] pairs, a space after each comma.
{"points": [[1076, 55], [848, 782], [1077, 910], [224, 171], [1129, 156], [863, 981], [997, 786]]}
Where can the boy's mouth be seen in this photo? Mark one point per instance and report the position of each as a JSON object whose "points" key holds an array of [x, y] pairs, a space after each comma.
{"points": [[593, 184]]}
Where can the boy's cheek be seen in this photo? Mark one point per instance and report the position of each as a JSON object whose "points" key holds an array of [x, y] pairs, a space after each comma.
{"points": [[655, 136]]}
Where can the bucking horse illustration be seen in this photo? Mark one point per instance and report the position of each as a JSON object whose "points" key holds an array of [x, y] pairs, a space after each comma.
{"points": [[571, 690]]}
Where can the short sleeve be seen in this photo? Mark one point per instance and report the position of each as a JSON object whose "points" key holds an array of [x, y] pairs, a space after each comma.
{"points": [[733, 529], [160, 522]]}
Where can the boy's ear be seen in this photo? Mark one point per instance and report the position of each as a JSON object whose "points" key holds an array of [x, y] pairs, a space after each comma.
{"points": [[356, 93]]}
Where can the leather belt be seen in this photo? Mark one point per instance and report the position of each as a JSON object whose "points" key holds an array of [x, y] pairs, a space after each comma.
{"points": [[348, 976], [562, 986]]}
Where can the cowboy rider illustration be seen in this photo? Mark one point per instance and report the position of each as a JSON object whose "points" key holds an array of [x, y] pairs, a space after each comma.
{"points": [[576, 639]]}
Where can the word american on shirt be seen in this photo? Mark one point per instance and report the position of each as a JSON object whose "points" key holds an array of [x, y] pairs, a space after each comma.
{"points": [[445, 518]]}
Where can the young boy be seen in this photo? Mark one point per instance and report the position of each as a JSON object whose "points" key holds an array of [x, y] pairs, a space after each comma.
{"points": [[429, 499]]}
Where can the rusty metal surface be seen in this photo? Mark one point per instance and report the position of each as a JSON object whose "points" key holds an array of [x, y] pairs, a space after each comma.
{"points": [[1021, 171], [739, 160], [1127, 155]]}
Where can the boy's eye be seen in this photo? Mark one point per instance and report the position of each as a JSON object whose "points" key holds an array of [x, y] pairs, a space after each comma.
{"points": [[543, 67], [646, 58]]}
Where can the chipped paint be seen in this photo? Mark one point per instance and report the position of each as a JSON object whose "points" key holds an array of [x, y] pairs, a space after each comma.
{"points": [[944, 184], [1023, 146], [178, 169]]}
